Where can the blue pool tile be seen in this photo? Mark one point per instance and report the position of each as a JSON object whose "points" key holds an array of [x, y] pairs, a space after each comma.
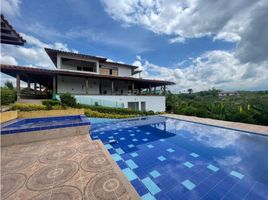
{"points": [[119, 151], [194, 155], [188, 184], [132, 135], [148, 196], [150, 146], [134, 154], [131, 164], [213, 168], [116, 157], [122, 138], [95, 137], [130, 145], [147, 133], [121, 164], [111, 137], [170, 150], [162, 140], [108, 146], [129, 174], [134, 140], [145, 139], [188, 164], [155, 173], [116, 133], [129, 131], [161, 158], [150, 185], [237, 174]]}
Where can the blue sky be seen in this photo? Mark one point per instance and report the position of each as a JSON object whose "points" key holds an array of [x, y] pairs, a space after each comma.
{"points": [[197, 44]]}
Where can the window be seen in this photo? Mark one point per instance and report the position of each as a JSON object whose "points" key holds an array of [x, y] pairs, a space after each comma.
{"points": [[79, 68], [111, 72], [133, 105], [88, 69]]}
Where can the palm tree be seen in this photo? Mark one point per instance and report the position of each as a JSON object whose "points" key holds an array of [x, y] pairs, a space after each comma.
{"points": [[190, 91]]}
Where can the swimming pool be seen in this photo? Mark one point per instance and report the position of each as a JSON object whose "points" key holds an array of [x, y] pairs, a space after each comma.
{"points": [[95, 120], [166, 159]]}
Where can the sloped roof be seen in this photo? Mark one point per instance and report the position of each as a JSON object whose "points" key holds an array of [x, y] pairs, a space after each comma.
{"points": [[9, 35], [12, 70], [52, 53]]}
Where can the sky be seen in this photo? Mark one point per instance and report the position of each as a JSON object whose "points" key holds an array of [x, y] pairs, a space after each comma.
{"points": [[197, 44]]}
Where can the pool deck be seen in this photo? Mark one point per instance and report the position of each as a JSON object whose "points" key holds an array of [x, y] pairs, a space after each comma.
{"points": [[74, 167], [226, 124]]}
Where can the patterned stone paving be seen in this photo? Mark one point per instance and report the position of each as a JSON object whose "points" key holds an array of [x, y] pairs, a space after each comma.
{"points": [[70, 168]]}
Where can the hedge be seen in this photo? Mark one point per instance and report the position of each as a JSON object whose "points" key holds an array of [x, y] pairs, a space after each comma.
{"points": [[51, 103], [27, 107], [8, 96], [91, 113], [120, 111]]}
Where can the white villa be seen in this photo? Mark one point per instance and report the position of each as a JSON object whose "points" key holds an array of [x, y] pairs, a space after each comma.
{"points": [[93, 80]]}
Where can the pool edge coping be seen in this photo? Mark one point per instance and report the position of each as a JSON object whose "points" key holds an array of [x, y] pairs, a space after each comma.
{"points": [[218, 126]]}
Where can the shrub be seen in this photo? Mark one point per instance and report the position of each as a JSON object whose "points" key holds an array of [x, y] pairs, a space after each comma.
{"points": [[120, 111], [68, 100], [27, 107], [8, 96], [50, 103], [91, 113]]}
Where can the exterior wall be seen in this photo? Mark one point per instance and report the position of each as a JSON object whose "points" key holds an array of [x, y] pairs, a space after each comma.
{"points": [[122, 71], [73, 85], [154, 103], [77, 85], [72, 65]]}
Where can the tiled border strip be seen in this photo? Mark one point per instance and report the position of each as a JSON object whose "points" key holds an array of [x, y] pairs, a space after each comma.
{"points": [[130, 189]]}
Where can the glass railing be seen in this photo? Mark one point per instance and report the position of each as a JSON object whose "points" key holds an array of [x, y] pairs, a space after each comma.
{"points": [[82, 99]]}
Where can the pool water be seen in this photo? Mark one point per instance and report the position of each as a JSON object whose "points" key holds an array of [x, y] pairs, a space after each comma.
{"points": [[165, 158]]}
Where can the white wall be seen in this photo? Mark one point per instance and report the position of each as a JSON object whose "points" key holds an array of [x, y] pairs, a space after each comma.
{"points": [[122, 71], [154, 103], [70, 84]]}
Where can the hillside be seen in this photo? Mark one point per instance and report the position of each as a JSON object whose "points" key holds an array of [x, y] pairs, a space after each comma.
{"points": [[247, 107]]}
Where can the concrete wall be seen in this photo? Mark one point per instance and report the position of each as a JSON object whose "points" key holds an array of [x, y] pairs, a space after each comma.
{"points": [[34, 136], [154, 103], [8, 116], [50, 113], [74, 85]]}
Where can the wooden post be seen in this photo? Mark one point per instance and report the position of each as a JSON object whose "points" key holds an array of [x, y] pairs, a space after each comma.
{"points": [[35, 88], [150, 89], [18, 86], [28, 86], [54, 87], [87, 86], [155, 90], [164, 89], [133, 88], [112, 87]]}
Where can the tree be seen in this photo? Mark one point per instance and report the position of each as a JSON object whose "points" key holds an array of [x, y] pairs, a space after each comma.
{"points": [[190, 91], [9, 85]]}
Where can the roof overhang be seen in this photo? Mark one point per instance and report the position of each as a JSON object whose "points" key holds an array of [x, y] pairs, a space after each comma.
{"points": [[36, 73], [9, 35]]}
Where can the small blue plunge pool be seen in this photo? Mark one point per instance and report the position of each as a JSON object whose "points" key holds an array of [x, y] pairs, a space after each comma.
{"points": [[165, 158], [43, 123]]}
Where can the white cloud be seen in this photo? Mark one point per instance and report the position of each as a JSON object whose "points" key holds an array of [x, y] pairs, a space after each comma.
{"points": [[31, 55], [10, 8], [219, 69], [227, 36], [242, 21], [178, 39]]}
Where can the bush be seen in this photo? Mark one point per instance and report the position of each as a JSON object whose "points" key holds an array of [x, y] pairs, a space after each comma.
{"points": [[27, 107], [120, 111], [8, 96], [67, 100], [50, 103], [91, 113]]}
